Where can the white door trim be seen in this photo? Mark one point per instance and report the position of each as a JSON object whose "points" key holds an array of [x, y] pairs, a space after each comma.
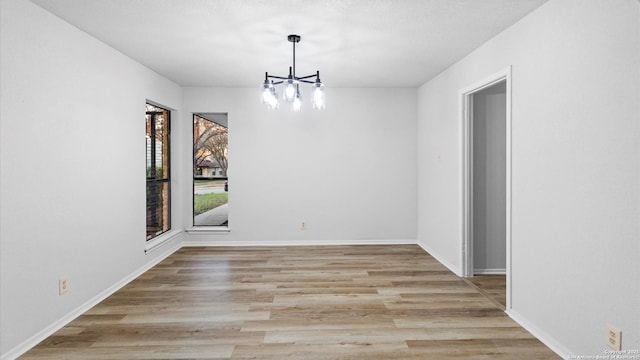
{"points": [[467, 171]]}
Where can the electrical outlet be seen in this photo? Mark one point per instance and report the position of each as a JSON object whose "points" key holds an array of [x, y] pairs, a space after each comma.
{"points": [[303, 225], [63, 285], [614, 338]]}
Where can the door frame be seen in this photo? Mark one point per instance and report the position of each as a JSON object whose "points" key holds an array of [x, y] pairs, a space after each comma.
{"points": [[466, 107]]}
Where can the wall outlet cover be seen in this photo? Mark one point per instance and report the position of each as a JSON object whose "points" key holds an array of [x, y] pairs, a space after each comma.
{"points": [[614, 338], [63, 285]]}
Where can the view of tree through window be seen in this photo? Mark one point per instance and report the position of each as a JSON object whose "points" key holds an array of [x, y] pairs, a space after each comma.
{"points": [[158, 171], [210, 165]]}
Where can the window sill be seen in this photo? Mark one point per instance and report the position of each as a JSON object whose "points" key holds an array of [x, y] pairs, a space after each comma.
{"points": [[209, 230]]}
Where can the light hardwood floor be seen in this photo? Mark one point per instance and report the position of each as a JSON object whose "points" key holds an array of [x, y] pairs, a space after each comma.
{"points": [[329, 302], [492, 286]]}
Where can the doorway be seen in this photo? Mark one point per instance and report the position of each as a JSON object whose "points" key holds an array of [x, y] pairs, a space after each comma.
{"points": [[486, 118]]}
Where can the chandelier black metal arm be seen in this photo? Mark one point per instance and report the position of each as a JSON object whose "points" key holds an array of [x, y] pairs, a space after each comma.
{"points": [[292, 90], [300, 79]]}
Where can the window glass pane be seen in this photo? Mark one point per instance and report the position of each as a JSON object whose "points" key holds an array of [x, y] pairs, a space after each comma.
{"points": [[157, 145], [158, 220], [210, 164], [162, 144], [149, 145]]}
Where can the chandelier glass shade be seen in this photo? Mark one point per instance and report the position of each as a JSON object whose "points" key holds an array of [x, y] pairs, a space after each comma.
{"points": [[291, 86]]}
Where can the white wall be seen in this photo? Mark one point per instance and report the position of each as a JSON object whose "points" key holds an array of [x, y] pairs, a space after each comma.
{"points": [[576, 159], [72, 169], [489, 179], [349, 171]]}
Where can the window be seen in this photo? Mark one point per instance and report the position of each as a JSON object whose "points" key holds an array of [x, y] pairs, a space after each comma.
{"points": [[210, 185], [158, 171]]}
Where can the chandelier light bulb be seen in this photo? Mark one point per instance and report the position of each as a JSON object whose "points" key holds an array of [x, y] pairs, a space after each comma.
{"points": [[318, 93], [266, 96], [290, 90], [297, 104], [273, 100], [266, 89], [318, 99]]}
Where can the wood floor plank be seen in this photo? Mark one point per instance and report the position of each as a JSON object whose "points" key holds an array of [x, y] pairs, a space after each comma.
{"points": [[315, 302], [492, 286]]}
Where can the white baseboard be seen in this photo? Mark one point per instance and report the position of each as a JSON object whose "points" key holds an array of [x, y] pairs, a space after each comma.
{"points": [[456, 270], [490, 271], [59, 324], [189, 243], [544, 337]]}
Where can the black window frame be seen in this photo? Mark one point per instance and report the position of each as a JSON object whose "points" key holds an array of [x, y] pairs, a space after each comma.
{"points": [[195, 177], [151, 175]]}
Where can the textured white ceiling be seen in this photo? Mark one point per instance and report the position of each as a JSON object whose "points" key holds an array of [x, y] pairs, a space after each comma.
{"points": [[354, 43]]}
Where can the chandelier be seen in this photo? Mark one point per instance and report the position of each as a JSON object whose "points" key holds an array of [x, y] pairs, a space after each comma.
{"points": [[291, 83]]}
